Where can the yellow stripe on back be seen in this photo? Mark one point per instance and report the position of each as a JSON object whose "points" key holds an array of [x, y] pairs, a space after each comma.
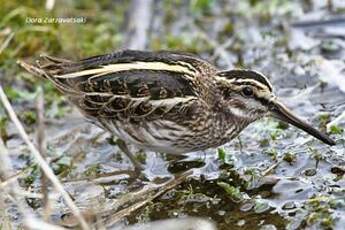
{"points": [[111, 68]]}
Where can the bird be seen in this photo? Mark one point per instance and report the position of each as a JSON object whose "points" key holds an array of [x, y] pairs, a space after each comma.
{"points": [[166, 101]]}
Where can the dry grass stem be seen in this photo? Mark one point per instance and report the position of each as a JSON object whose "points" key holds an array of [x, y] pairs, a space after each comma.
{"points": [[41, 162], [6, 42], [147, 198], [42, 149]]}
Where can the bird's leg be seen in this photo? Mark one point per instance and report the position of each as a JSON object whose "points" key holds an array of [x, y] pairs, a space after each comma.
{"points": [[123, 146]]}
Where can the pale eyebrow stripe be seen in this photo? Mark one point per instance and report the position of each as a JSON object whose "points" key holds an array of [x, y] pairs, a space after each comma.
{"points": [[239, 80], [265, 82], [131, 66]]}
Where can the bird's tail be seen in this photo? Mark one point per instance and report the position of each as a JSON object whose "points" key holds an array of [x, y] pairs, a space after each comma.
{"points": [[34, 70], [48, 67]]}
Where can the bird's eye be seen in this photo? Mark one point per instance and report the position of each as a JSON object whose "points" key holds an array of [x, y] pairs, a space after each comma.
{"points": [[247, 91]]}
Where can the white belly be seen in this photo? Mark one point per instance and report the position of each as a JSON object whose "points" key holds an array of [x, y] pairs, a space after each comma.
{"points": [[154, 136]]}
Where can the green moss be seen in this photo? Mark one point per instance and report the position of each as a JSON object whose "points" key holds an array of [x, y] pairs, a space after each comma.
{"points": [[225, 157], [289, 157], [28, 180], [29, 117], [201, 7], [11, 93], [282, 125], [320, 212], [33, 175], [234, 192], [327, 222], [221, 154], [185, 42], [316, 154], [264, 142], [3, 127], [272, 153], [275, 134], [324, 119], [334, 129], [93, 170], [140, 156], [63, 166], [97, 35]]}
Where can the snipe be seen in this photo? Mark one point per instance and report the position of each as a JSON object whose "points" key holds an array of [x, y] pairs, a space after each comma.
{"points": [[166, 101]]}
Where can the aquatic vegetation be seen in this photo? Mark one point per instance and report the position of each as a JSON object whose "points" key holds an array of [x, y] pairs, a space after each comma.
{"points": [[270, 176]]}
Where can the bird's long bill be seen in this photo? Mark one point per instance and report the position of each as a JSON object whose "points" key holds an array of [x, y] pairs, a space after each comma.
{"points": [[279, 111]]}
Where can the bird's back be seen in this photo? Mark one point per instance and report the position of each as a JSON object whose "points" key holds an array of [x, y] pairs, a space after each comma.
{"points": [[185, 61], [152, 99]]}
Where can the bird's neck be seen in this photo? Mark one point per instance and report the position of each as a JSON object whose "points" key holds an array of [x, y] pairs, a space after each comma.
{"points": [[227, 126]]}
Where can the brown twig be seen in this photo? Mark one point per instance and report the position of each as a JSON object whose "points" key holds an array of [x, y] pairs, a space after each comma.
{"points": [[41, 162]]}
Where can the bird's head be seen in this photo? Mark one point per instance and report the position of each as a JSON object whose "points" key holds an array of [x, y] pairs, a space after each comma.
{"points": [[248, 96]]}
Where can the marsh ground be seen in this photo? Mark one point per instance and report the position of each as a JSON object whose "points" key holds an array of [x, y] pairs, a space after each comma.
{"points": [[272, 176]]}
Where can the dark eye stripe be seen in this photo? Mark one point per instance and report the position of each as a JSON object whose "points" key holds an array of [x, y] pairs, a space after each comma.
{"points": [[263, 101]]}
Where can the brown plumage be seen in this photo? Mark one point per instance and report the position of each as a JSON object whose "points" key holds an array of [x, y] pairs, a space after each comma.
{"points": [[166, 101]]}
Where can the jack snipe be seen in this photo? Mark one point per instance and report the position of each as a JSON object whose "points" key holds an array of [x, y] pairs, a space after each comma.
{"points": [[166, 101]]}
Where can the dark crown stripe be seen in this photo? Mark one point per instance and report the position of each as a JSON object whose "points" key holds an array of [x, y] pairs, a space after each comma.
{"points": [[246, 74]]}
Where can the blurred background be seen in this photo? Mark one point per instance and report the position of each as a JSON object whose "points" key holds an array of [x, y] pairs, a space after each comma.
{"points": [[271, 177]]}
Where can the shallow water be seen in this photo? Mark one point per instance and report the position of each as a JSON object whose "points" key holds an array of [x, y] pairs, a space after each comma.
{"points": [[305, 187]]}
